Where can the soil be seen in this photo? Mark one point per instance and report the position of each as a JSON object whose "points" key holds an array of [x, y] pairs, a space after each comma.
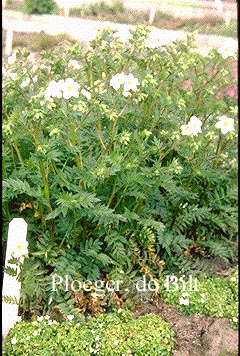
{"points": [[197, 334]]}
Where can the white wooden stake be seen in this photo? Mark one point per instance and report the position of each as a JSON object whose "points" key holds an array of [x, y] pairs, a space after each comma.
{"points": [[219, 6], [152, 14], [17, 246], [9, 42], [227, 18]]}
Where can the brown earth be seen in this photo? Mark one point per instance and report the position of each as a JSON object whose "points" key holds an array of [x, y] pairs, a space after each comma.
{"points": [[197, 334]]}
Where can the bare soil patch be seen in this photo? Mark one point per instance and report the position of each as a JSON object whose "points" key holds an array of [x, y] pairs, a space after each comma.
{"points": [[196, 334]]}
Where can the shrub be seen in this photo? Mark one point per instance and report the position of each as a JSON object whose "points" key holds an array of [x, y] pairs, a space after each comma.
{"points": [[109, 334], [40, 7], [120, 159]]}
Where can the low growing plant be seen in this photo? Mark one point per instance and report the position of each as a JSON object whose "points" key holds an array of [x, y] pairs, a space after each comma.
{"points": [[119, 158], [110, 334], [215, 296]]}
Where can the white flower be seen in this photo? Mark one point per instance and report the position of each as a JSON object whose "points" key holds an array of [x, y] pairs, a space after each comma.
{"points": [[195, 124], [12, 75], [20, 249], [193, 127], [153, 40], [13, 341], [35, 333], [186, 130], [54, 90], [51, 322], [91, 350], [31, 58], [130, 83], [70, 89], [184, 301], [233, 279], [228, 48], [47, 317], [35, 79], [225, 124], [86, 93], [40, 318], [115, 342], [123, 35], [12, 58], [235, 320], [100, 326], [117, 80], [25, 83], [70, 317], [74, 64], [97, 338]]}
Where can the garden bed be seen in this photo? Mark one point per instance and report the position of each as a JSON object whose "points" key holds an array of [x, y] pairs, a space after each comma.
{"points": [[122, 160]]}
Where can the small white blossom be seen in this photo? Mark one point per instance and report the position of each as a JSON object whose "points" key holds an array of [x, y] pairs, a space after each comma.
{"points": [[12, 75], [97, 338], [153, 40], [20, 249], [100, 325], [40, 318], [73, 64], [25, 83], [86, 93], [70, 89], [193, 127], [182, 299], [31, 58], [186, 130], [53, 90], [12, 58], [228, 48], [234, 319], [123, 35], [14, 341], [70, 317], [225, 124], [195, 123], [117, 80], [130, 83], [47, 317], [115, 342], [35, 333]]}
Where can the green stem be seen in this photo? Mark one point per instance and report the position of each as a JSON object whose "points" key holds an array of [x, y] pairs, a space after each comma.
{"points": [[45, 183], [218, 150], [18, 154]]}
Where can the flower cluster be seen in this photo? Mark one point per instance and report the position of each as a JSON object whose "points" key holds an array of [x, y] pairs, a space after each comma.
{"points": [[129, 82], [193, 127], [67, 89]]}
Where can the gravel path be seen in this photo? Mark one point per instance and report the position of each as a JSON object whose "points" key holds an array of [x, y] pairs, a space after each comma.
{"points": [[85, 30]]}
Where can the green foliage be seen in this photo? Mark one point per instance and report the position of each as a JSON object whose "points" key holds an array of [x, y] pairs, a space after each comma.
{"points": [[109, 334], [104, 177], [40, 7], [215, 296]]}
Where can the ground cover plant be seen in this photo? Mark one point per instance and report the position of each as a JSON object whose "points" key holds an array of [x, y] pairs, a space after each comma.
{"points": [[110, 334], [122, 160]]}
